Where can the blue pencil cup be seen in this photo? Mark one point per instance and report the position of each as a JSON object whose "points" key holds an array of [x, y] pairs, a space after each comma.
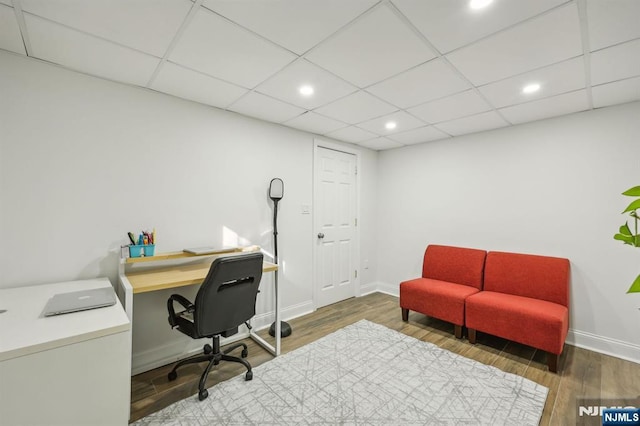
{"points": [[142, 250]]}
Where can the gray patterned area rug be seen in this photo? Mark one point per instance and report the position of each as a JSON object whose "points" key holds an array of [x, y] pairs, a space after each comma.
{"points": [[365, 374]]}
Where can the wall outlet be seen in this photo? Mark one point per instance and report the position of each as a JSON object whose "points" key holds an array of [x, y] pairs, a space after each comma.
{"points": [[306, 209]]}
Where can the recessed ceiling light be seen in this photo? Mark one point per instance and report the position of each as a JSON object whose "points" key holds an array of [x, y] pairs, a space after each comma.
{"points": [[306, 90], [479, 4], [390, 125], [531, 88]]}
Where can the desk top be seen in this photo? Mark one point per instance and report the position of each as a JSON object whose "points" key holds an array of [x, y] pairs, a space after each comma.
{"points": [[24, 330], [175, 276]]}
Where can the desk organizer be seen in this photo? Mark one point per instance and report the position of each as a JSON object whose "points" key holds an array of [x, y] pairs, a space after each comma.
{"points": [[143, 250]]}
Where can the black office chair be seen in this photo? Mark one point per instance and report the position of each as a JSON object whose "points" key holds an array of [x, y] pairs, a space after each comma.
{"points": [[226, 299]]}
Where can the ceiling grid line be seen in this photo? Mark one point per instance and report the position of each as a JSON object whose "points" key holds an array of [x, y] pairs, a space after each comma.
{"points": [[447, 62], [586, 48], [17, 9], [174, 41]]}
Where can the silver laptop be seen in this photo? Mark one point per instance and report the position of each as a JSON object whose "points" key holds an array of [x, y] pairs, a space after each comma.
{"points": [[65, 303], [209, 250]]}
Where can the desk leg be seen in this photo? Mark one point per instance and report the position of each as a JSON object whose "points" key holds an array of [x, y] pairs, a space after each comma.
{"points": [[278, 325], [275, 351]]}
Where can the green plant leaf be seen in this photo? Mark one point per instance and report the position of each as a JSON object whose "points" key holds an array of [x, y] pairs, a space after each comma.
{"points": [[624, 229], [635, 287], [627, 239], [633, 206], [632, 192]]}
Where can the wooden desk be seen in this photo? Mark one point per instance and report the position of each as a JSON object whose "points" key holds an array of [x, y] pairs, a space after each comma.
{"points": [[71, 369], [176, 276], [160, 274]]}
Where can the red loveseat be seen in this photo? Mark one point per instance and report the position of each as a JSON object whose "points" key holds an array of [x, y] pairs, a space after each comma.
{"points": [[449, 276], [525, 298]]}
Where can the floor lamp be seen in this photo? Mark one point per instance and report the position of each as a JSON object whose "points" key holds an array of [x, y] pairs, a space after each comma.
{"points": [[276, 192]]}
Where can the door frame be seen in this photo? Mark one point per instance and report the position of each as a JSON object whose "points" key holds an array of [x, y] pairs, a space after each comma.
{"points": [[321, 143]]}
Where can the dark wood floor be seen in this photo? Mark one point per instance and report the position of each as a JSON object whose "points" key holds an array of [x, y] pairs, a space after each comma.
{"points": [[583, 374]]}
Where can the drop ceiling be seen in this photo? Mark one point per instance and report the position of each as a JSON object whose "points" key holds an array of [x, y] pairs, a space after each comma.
{"points": [[435, 68]]}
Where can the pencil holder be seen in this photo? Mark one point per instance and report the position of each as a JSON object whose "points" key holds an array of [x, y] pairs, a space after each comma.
{"points": [[142, 250]]}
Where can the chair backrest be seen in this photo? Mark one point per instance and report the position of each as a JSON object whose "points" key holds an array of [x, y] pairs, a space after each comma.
{"points": [[227, 297], [454, 264], [528, 275]]}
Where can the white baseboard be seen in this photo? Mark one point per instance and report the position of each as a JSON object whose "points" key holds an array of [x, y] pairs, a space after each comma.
{"points": [[390, 289], [604, 345], [265, 320], [175, 350], [368, 288]]}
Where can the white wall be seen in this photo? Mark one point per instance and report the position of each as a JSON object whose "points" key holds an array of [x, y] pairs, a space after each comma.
{"points": [[84, 160], [550, 187]]}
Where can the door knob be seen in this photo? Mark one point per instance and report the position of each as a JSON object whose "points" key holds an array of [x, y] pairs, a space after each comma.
{"points": [[320, 235]]}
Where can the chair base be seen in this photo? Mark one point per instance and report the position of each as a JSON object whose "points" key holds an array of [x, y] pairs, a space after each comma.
{"points": [[213, 356]]}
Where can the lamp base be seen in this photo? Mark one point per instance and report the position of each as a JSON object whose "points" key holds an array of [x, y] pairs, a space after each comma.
{"points": [[285, 329]]}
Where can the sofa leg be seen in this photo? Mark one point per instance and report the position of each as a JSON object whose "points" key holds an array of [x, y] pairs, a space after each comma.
{"points": [[458, 331], [405, 315], [552, 362], [471, 332]]}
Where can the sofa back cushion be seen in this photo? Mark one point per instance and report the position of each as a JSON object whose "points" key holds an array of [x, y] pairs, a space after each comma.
{"points": [[454, 264], [527, 275]]}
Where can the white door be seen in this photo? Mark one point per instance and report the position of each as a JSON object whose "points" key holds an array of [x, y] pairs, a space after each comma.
{"points": [[335, 222]]}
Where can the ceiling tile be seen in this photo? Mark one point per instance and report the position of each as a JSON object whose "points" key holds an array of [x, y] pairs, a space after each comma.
{"points": [[379, 144], [314, 123], [562, 77], [547, 39], [616, 63], [403, 122], [618, 92], [451, 107], [436, 19], [612, 22], [192, 85], [297, 25], [476, 123], [266, 108], [548, 107], [79, 51], [285, 84], [422, 134], [10, 38], [423, 83], [364, 54], [351, 134], [356, 108], [148, 26], [224, 50]]}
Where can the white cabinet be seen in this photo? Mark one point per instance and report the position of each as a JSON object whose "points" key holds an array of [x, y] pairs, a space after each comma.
{"points": [[72, 369]]}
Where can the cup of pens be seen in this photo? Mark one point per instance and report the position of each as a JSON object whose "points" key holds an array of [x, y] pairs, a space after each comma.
{"points": [[145, 245]]}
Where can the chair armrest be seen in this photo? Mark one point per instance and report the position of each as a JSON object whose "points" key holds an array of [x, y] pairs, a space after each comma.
{"points": [[186, 304]]}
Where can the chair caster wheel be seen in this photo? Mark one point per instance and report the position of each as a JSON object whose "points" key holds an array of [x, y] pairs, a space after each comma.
{"points": [[207, 350], [203, 394], [172, 376], [244, 353], [248, 376]]}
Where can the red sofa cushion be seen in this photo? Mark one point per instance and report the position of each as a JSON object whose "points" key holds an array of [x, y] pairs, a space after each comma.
{"points": [[538, 277], [454, 264], [439, 299], [538, 323]]}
